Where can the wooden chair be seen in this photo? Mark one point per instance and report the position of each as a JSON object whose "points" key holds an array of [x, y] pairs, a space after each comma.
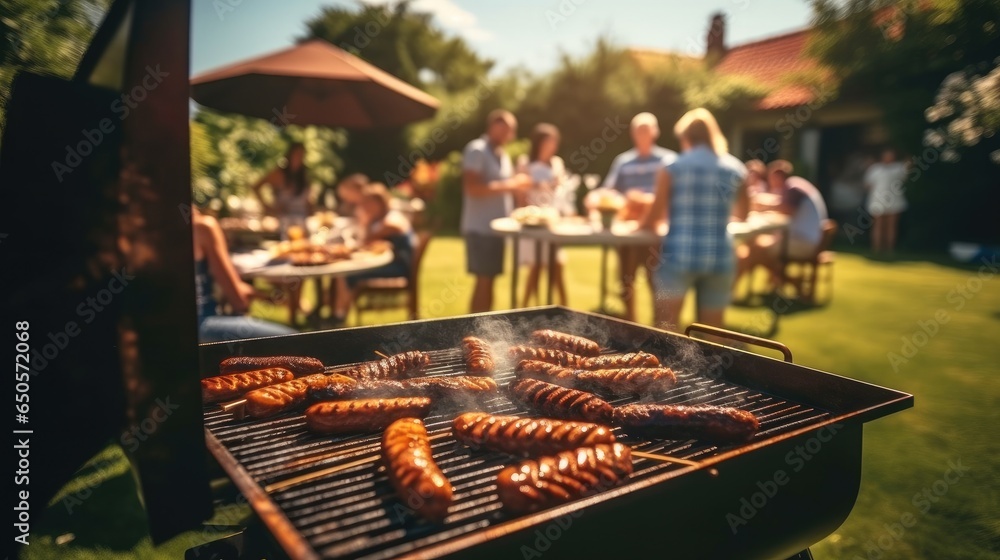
{"points": [[815, 269], [378, 294]]}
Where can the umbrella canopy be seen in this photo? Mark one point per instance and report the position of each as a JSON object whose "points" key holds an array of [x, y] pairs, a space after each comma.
{"points": [[313, 83]]}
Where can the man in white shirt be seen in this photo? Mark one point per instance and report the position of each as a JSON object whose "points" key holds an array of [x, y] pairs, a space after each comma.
{"points": [[488, 181]]}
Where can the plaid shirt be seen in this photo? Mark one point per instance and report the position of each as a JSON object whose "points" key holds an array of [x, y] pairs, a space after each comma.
{"points": [[702, 192]]}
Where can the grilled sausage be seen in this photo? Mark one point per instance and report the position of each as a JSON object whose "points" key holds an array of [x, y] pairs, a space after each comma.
{"points": [[704, 422], [275, 399], [568, 342], [538, 484], [363, 415], [447, 388], [393, 367], [558, 357], [527, 436], [223, 387], [622, 381], [561, 402], [629, 360], [568, 359], [299, 365], [454, 388], [418, 481], [478, 356]]}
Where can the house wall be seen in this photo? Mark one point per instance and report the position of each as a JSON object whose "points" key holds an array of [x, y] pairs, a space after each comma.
{"points": [[796, 133]]}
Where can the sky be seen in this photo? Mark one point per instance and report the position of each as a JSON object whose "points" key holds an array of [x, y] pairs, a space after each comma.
{"points": [[529, 34]]}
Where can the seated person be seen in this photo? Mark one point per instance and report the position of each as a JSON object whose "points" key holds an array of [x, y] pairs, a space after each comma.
{"points": [[212, 264], [348, 193], [377, 222], [756, 178], [800, 200]]}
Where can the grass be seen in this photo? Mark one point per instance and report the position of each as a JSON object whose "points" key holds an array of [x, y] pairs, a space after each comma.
{"points": [[877, 304]]}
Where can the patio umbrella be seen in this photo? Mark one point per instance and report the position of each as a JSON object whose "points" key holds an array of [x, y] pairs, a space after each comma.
{"points": [[313, 83]]}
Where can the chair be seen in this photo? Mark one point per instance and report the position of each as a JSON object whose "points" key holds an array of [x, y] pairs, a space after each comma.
{"points": [[377, 294], [814, 269]]}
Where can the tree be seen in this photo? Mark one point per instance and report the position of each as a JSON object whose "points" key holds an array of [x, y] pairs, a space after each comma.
{"points": [[966, 111], [409, 46], [899, 54], [610, 86], [44, 36], [231, 152]]}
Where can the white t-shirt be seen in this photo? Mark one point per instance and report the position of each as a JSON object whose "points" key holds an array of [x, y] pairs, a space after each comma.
{"points": [[887, 184], [553, 173]]}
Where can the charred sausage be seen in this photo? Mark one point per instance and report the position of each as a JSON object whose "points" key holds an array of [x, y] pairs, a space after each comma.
{"points": [[568, 342], [704, 422], [419, 482], [363, 415], [478, 356], [282, 397], [629, 360], [550, 355], [447, 388], [560, 402], [393, 367], [527, 436], [568, 359], [224, 387], [299, 365], [538, 484], [621, 381]]}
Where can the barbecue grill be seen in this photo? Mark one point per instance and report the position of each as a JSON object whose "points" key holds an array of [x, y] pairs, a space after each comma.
{"points": [[121, 207], [734, 503]]}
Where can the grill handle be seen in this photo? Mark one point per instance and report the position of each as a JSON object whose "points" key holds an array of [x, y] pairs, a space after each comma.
{"points": [[740, 337]]}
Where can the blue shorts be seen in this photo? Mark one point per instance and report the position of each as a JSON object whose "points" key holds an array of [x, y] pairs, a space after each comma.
{"points": [[218, 328], [713, 290]]}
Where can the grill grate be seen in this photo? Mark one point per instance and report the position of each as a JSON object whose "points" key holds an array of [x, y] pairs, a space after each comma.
{"points": [[355, 512]]}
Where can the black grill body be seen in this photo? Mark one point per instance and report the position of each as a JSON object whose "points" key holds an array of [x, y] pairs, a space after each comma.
{"points": [[786, 489]]}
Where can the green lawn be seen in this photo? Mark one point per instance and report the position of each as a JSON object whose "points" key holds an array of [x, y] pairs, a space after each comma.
{"points": [[877, 305]]}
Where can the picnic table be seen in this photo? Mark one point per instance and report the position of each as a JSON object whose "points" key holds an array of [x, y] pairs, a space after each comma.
{"points": [[579, 231], [256, 265]]}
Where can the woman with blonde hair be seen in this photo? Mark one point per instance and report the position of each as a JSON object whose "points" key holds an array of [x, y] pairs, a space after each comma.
{"points": [[697, 194]]}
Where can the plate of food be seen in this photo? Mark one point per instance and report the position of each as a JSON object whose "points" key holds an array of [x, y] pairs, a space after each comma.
{"points": [[318, 255], [535, 216]]}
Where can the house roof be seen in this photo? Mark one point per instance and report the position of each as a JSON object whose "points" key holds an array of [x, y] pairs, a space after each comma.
{"points": [[768, 61]]}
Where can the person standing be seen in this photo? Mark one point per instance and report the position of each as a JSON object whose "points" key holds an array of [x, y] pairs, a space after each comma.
{"points": [[697, 194], [488, 182], [886, 199], [633, 174], [547, 172]]}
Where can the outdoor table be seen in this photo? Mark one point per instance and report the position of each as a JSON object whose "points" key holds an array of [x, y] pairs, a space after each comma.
{"points": [[579, 232], [360, 261]]}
